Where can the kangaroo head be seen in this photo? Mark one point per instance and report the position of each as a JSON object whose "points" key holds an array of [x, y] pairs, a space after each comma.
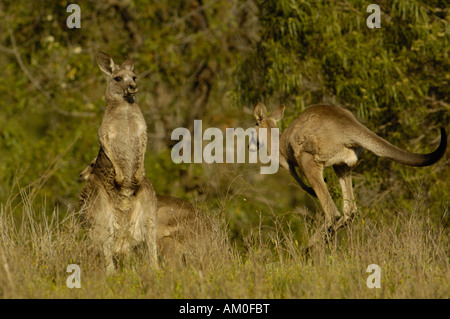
{"points": [[84, 175], [265, 122], [121, 83]]}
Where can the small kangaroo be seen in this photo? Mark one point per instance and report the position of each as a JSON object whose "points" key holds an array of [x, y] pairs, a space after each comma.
{"points": [[174, 216], [118, 201], [323, 136]]}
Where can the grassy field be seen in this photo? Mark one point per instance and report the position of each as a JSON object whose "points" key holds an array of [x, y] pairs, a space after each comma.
{"points": [[410, 248]]}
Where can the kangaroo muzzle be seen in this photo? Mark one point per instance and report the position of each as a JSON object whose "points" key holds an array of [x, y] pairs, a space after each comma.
{"points": [[253, 144], [132, 89]]}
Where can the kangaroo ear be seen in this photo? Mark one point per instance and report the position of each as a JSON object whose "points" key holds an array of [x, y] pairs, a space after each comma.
{"points": [[260, 112], [278, 113], [128, 65], [106, 63]]}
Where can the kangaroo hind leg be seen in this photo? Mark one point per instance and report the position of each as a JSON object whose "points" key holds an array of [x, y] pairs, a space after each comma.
{"points": [[98, 211], [314, 173], [344, 173], [144, 220]]}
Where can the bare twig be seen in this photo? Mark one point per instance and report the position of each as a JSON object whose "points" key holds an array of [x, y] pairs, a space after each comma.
{"points": [[6, 50]]}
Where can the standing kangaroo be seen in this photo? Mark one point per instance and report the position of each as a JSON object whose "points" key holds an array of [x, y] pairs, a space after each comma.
{"points": [[118, 201], [323, 136]]}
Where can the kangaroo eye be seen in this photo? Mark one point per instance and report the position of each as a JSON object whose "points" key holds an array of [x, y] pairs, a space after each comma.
{"points": [[118, 78], [134, 78]]}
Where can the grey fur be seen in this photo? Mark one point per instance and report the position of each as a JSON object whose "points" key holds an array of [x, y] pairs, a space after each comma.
{"points": [[118, 201], [325, 135]]}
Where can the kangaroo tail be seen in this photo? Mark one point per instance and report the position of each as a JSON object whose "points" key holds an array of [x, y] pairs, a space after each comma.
{"points": [[383, 148]]}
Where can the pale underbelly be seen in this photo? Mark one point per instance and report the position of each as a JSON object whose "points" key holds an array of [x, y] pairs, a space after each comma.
{"points": [[346, 156]]}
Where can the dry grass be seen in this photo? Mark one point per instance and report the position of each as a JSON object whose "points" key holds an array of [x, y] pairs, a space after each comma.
{"points": [[412, 252]]}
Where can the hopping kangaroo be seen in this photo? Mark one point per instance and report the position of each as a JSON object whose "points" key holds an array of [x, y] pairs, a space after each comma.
{"points": [[325, 135], [118, 201]]}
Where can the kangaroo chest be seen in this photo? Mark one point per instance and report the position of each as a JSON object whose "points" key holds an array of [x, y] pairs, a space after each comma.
{"points": [[126, 129], [124, 133]]}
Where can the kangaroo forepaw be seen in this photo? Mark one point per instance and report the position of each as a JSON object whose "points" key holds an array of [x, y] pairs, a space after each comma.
{"points": [[138, 177], [136, 181], [118, 179]]}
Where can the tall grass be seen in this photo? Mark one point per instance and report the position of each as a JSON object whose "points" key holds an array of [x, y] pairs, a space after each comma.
{"points": [[411, 250]]}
